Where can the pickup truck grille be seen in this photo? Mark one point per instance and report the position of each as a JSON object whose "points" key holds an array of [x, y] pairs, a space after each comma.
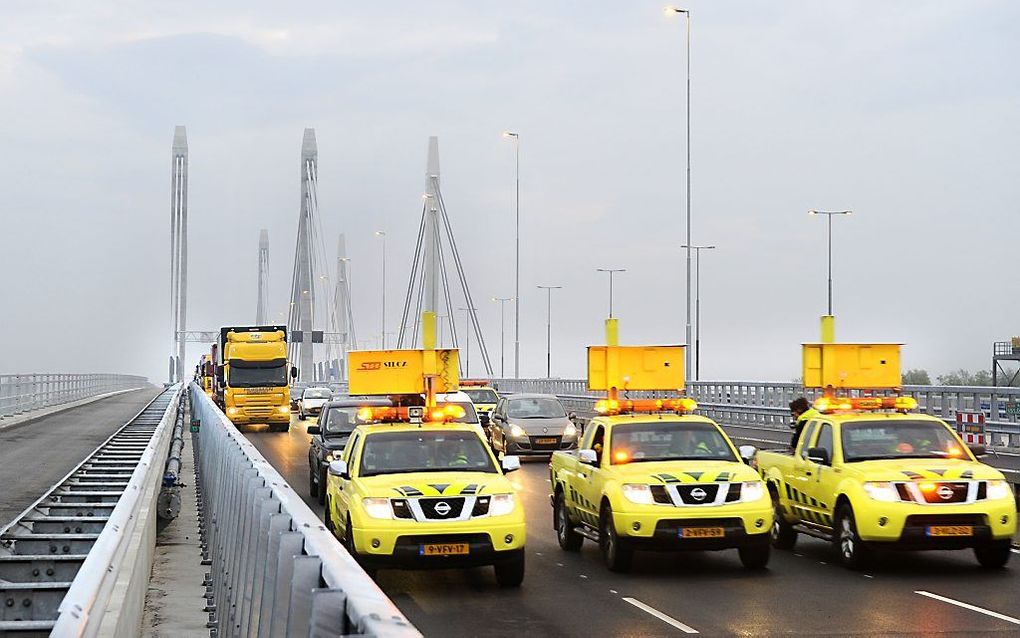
{"points": [[441, 508], [942, 492], [697, 494]]}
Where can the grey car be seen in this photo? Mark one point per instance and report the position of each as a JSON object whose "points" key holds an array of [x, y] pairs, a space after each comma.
{"points": [[524, 424]]}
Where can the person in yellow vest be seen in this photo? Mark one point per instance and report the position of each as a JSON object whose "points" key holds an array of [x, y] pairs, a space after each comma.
{"points": [[802, 413]]}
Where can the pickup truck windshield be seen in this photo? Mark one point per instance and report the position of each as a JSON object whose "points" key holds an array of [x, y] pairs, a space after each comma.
{"points": [[424, 451], [251, 376], [535, 408], [482, 396], [668, 441], [871, 440]]}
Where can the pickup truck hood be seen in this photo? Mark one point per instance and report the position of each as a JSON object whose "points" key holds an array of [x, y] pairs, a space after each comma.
{"points": [[924, 469], [436, 484], [663, 472]]}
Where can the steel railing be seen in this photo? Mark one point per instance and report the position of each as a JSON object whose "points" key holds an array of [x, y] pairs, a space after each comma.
{"points": [[23, 393], [766, 405], [275, 569], [74, 561]]}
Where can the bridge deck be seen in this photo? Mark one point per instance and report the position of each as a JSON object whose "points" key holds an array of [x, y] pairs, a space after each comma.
{"points": [[35, 456]]}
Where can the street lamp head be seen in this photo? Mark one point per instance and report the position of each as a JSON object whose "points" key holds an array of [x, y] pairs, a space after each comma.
{"points": [[673, 10], [380, 233], [509, 134]]}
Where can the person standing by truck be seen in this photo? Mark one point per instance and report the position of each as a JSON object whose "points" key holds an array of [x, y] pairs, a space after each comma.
{"points": [[802, 413]]}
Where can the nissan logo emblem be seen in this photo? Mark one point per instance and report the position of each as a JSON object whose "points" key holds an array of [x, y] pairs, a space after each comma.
{"points": [[698, 494], [442, 508], [945, 492]]}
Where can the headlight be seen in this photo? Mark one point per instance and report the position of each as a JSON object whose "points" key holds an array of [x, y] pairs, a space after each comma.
{"points": [[882, 492], [284, 409], [517, 431], [636, 493], [329, 457], [377, 507], [752, 491], [231, 411], [569, 431], [501, 504], [999, 489]]}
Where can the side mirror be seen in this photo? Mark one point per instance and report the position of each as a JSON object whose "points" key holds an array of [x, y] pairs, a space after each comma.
{"points": [[511, 464], [219, 373], [339, 468], [494, 416], [977, 450], [572, 415], [819, 455], [293, 372], [588, 457], [747, 452], [483, 418], [314, 429]]}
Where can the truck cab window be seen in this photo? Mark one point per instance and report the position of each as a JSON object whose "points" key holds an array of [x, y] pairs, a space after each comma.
{"points": [[825, 439]]}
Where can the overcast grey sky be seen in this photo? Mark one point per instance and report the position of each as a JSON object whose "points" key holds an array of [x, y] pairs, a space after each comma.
{"points": [[906, 112]]}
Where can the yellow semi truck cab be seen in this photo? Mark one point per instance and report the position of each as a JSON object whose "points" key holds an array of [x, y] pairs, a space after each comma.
{"points": [[867, 472], [253, 376]]}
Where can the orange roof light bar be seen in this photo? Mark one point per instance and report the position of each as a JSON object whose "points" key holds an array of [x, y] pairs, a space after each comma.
{"points": [[843, 404], [474, 383], [626, 406], [441, 414]]}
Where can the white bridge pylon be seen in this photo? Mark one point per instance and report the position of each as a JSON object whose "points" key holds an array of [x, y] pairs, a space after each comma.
{"points": [[430, 275]]}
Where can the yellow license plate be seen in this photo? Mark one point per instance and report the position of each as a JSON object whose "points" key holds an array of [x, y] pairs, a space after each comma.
{"points": [[702, 532], [546, 441], [444, 549], [951, 530]]}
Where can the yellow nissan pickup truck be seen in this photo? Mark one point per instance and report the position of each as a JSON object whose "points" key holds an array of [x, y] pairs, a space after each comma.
{"points": [[648, 475], [414, 490], [868, 473]]}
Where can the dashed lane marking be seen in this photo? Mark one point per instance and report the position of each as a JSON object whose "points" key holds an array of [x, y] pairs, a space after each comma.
{"points": [[980, 610], [868, 576], [613, 591], [669, 620]]}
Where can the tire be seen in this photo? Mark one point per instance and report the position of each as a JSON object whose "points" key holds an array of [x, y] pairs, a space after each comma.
{"points": [[322, 485], [617, 557], [569, 539], [993, 556], [755, 556], [352, 549], [313, 488], [852, 551], [510, 573], [328, 518], [783, 535]]}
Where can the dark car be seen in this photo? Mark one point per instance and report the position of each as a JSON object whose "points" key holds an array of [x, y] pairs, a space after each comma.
{"points": [[329, 436]]}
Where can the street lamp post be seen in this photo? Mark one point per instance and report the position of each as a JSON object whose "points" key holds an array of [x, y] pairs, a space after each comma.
{"points": [[517, 250], [611, 272], [830, 214], [382, 235], [467, 339], [548, 328], [697, 305], [687, 15], [502, 331]]}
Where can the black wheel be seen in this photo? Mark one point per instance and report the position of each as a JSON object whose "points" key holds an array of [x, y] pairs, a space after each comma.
{"points": [[852, 551], [313, 487], [784, 536], [352, 548], [322, 485], [755, 555], [993, 556], [300, 415], [328, 517], [510, 573], [618, 558], [569, 539]]}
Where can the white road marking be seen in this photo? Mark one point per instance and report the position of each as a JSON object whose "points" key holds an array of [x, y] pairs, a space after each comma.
{"points": [[583, 576], [669, 620], [868, 576], [1015, 551], [559, 564], [613, 591], [980, 610], [822, 562]]}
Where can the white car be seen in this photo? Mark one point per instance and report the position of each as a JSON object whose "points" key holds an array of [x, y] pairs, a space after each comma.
{"points": [[464, 401], [312, 400]]}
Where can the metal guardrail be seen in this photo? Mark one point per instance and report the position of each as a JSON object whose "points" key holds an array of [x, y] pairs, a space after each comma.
{"points": [[766, 405], [21, 393], [275, 569], [74, 561]]}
